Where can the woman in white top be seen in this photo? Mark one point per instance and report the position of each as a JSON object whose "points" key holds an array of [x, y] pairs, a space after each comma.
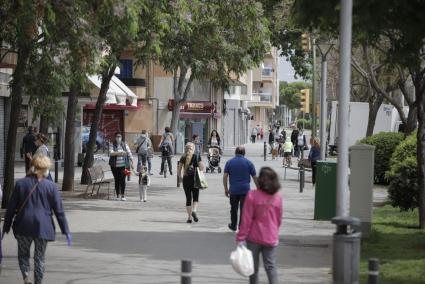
{"points": [[214, 140]]}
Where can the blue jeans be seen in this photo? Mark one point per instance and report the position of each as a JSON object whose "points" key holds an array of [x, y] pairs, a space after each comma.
{"points": [[141, 160]]}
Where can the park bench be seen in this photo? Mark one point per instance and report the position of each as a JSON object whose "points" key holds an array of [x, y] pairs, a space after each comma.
{"points": [[98, 177]]}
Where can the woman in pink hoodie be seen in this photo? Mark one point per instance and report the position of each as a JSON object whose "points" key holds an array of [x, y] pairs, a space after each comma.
{"points": [[261, 219]]}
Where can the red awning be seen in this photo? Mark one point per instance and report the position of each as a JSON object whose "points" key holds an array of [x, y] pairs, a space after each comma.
{"points": [[113, 107]]}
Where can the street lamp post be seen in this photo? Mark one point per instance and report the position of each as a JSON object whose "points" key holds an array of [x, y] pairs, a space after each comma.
{"points": [[324, 49]]}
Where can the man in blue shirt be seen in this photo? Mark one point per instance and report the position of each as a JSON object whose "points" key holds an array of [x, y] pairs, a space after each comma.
{"points": [[238, 171]]}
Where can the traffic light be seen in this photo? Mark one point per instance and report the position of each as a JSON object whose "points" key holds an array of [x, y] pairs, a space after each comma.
{"points": [[305, 100], [305, 42]]}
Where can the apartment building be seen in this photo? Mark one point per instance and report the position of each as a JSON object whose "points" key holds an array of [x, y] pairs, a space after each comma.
{"points": [[250, 101]]}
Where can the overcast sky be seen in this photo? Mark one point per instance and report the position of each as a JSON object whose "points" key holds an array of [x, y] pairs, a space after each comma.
{"points": [[285, 71]]}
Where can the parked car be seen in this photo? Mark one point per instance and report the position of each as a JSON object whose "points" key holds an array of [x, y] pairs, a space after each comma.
{"points": [[100, 139]]}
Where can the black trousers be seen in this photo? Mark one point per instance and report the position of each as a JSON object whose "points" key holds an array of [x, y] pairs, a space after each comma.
{"points": [[27, 164], [170, 166], [253, 138], [314, 171], [119, 179], [236, 202], [190, 191]]}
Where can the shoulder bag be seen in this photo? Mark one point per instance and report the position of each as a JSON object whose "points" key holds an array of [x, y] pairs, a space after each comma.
{"points": [[200, 181]]}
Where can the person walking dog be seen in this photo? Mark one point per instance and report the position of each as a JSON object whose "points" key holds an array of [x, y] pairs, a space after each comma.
{"points": [[238, 172], [33, 202], [261, 219]]}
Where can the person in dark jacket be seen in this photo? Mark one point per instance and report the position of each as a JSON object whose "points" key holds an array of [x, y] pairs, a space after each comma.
{"points": [[33, 203], [28, 147], [271, 139], [120, 160], [313, 157]]}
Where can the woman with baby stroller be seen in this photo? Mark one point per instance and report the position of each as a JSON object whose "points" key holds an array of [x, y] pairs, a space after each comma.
{"points": [[214, 152]]}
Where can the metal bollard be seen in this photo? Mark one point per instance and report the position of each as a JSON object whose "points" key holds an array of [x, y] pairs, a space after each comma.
{"points": [[373, 273], [56, 170], [346, 250], [186, 272], [302, 177], [265, 151], [178, 178]]}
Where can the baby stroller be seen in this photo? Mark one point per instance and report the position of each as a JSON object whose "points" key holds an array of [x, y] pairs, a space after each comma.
{"points": [[213, 159]]}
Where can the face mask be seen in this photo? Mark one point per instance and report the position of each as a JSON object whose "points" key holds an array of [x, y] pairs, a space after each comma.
{"points": [[118, 139]]}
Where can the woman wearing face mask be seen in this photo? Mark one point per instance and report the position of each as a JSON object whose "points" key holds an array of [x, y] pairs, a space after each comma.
{"points": [[120, 159], [33, 202]]}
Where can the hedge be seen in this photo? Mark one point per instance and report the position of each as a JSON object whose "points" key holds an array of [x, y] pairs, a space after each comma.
{"points": [[385, 143]]}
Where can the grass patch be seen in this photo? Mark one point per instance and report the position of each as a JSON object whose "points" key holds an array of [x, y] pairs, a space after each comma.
{"points": [[398, 244]]}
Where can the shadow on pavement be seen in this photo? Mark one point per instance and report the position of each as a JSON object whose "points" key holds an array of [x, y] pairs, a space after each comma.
{"points": [[201, 247]]}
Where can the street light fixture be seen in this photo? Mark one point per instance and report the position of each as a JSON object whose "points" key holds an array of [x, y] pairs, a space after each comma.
{"points": [[324, 48]]}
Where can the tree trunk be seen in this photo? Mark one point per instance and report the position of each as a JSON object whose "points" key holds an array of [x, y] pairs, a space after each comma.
{"points": [[88, 160], [16, 101], [421, 153], [175, 115], [374, 106], [44, 124], [69, 151], [412, 119]]}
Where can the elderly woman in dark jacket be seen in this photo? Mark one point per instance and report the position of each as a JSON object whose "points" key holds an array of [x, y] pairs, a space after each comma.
{"points": [[33, 203]]}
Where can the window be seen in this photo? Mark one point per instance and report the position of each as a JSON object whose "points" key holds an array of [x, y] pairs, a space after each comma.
{"points": [[126, 71]]}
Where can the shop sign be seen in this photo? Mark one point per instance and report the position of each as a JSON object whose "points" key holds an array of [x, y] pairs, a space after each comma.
{"points": [[193, 106]]}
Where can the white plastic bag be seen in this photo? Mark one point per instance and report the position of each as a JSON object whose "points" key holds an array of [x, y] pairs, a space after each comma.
{"points": [[242, 261]]}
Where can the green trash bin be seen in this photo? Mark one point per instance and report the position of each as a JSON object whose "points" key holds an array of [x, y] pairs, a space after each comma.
{"points": [[325, 197]]}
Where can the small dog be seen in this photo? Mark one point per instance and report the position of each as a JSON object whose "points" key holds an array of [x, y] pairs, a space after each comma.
{"points": [[275, 150], [144, 183]]}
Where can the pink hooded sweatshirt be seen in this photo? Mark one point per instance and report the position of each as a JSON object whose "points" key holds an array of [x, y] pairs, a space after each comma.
{"points": [[261, 218]]}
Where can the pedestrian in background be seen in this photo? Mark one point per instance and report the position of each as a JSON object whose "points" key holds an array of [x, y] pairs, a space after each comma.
{"points": [[253, 134], [313, 157], [301, 144], [120, 160], [42, 150], [214, 140], [271, 139], [28, 147], [33, 202], [198, 145], [261, 219], [261, 134], [186, 172], [238, 171], [144, 144], [166, 146], [294, 137]]}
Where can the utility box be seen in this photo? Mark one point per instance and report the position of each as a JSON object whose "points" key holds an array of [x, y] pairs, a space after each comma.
{"points": [[325, 197], [361, 185]]}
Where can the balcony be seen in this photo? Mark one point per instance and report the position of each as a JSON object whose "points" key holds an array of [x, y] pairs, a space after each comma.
{"points": [[9, 58], [261, 100], [267, 73]]}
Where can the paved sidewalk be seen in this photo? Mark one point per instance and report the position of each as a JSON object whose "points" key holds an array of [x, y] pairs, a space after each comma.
{"points": [[133, 242]]}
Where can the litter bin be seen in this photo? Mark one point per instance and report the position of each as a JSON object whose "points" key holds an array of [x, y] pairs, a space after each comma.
{"points": [[346, 250], [325, 197]]}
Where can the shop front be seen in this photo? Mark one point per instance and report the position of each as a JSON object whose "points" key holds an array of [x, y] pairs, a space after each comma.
{"points": [[195, 117]]}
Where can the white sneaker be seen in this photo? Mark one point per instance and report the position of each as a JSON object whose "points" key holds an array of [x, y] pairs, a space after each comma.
{"points": [[144, 200], [141, 200], [123, 198]]}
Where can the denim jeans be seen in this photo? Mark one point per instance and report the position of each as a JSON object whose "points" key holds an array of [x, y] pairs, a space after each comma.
{"points": [[269, 260], [141, 160]]}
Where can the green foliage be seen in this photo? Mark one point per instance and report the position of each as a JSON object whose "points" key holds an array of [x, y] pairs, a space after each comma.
{"points": [[398, 244], [403, 175], [290, 93], [213, 39], [385, 143]]}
